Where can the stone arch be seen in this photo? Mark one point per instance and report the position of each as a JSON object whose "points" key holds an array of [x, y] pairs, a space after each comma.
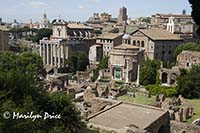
{"points": [[162, 129], [164, 77], [173, 78]]}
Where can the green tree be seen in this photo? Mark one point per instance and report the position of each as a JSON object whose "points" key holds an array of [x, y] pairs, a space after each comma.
{"points": [[189, 82], [148, 72], [196, 13], [41, 33], [191, 46], [77, 61], [71, 121], [103, 64], [21, 91]]}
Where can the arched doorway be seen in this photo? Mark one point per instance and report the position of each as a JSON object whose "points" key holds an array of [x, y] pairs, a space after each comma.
{"points": [[164, 77]]}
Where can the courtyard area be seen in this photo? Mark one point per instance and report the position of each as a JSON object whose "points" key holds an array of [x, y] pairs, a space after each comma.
{"points": [[141, 98]]}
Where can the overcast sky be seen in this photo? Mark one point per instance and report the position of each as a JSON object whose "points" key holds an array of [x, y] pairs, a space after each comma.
{"points": [[81, 10]]}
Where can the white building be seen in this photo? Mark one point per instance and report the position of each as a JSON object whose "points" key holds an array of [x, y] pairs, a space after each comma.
{"points": [[45, 23], [66, 38]]}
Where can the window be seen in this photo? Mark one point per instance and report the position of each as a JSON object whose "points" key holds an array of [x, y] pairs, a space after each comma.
{"points": [[134, 43], [156, 56], [138, 43], [142, 43], [129, 41], [59, 32]]}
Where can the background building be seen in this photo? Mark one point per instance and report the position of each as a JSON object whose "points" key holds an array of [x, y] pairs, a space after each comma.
{"points": [[188, 58], [157, 43], [122, 18], [100, 18], [124, 61], [183, 24], [109, 41], [4, 38], [67, 37], [95, 54], [45, 23], [163, 19]]}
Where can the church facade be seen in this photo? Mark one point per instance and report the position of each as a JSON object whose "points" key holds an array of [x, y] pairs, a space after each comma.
{"points": [[67, 37]]}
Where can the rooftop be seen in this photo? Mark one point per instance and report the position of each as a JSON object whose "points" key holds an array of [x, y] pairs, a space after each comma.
{"points": [[158, 34], [173, 15], [3, 28], [109, 36], [123, 115], [126, 46], [78, 26]]}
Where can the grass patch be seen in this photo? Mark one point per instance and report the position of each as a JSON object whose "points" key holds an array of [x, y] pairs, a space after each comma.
{"points": [[139, 99], [196, 105]]}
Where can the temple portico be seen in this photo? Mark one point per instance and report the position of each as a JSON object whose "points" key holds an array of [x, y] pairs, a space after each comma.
{"points": [[53, 53]]}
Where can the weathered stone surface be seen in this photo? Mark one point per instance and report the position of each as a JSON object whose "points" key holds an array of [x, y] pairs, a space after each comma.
{"points": [[179, 115], [172, 114], [158, 104], [157, 98], [185, 113], [89, 95], [179, 127], [162, 97], [196, 122]]}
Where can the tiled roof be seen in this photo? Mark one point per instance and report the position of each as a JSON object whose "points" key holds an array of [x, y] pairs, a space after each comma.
{"points": [[109, 36], [78, 26], [159, 34], [173, 15]]}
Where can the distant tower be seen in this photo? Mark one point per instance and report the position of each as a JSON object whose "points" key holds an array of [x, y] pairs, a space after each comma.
{"points": [[170, 25], [122, 18]]}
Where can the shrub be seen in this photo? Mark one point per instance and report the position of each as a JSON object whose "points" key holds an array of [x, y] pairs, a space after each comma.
{"points": [[156, 89]]}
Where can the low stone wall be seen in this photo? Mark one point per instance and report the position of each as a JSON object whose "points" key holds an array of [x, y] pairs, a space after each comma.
{"points": [[179, 127]]}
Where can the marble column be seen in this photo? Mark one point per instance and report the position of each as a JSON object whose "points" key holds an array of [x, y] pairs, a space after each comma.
{"points": [[55, 57], [44, 62], [59, 56], [127, 71], [41, 49], [138, 76], [63, 56], [47, 54], [51, 46]]}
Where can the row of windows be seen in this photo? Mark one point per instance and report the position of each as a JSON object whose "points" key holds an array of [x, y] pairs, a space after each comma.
{"points": [[106, 41], [138, 43], [135, 43]]}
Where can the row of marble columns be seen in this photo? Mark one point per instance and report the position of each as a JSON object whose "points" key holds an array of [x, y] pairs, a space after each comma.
{"points": [[53, 54]]}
